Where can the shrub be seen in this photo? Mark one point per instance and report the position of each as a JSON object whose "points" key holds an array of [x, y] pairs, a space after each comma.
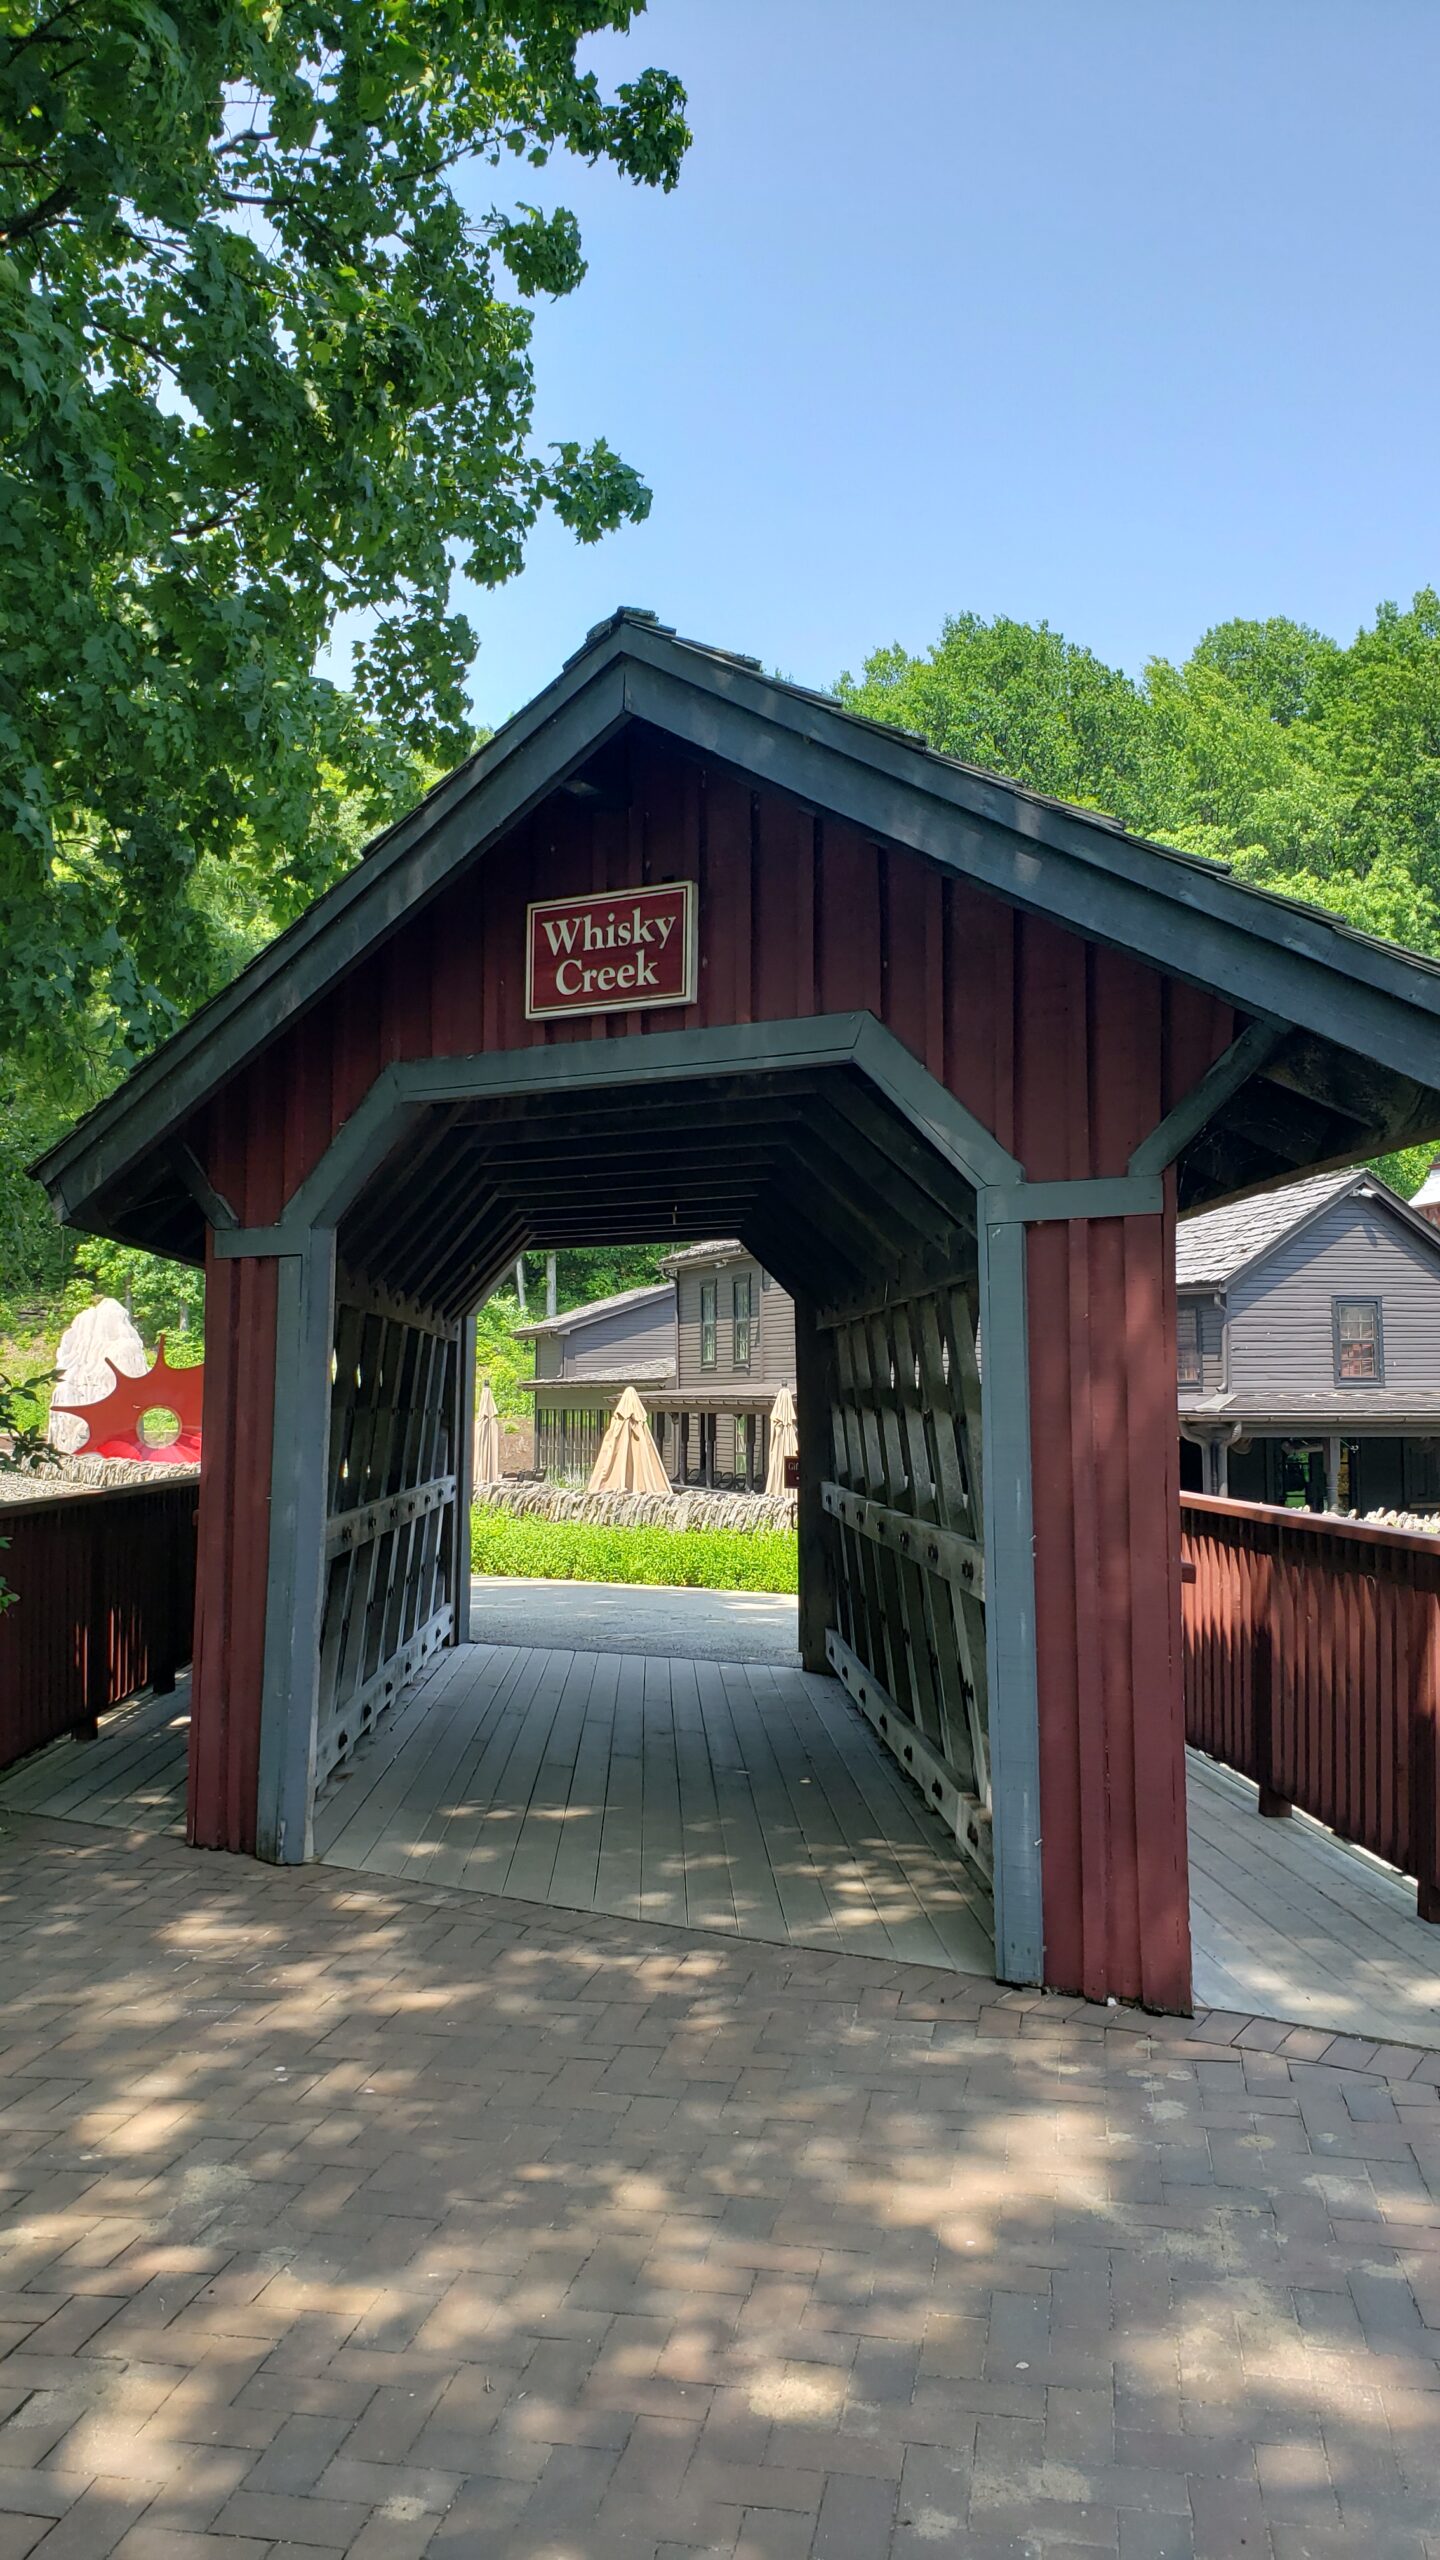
{"points": [[577, 1551]]}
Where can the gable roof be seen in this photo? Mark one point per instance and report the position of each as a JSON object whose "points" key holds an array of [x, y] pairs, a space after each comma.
{"points": [[1368, 1081], [1213, 1245], [719, 1249], [591, 1312]]}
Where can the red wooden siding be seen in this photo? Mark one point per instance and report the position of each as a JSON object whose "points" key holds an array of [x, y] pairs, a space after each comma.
{"points": [[1068, 1054], [105, 1601], [1312, 1664]]}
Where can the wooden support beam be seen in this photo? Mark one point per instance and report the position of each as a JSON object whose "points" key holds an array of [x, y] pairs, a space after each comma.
{"points": [[962, 1813], [355, 1528], [1256, 1045], [374, 1695], [814, 1399], [944, 1551]]}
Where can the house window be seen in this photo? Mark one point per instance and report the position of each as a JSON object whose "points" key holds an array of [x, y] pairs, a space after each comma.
{"points": [[707, 1323], [744, 1311], [1359, 1354], [1187, 1332]]}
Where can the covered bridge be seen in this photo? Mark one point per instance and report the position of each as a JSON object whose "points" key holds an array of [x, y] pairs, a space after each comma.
{"points": [[686, 951]]}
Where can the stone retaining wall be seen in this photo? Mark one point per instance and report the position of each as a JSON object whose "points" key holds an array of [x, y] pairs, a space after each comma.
{"points": [[80, 1474], [690, 1510]]}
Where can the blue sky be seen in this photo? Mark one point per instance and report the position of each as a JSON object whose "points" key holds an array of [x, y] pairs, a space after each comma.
{"points": [[1119, 313]]}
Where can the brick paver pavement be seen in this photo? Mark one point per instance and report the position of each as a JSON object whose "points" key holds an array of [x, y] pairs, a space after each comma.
{"points": [[343, 2217]]}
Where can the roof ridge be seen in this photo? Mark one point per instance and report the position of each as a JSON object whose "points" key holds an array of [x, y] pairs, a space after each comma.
{"points": [[594, 1307], [1224, 1240]]}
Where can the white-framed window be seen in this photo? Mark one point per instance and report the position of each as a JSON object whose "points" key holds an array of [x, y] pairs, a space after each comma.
{"points": [[708, 1294], [1187, 1344], [743, 1319], [1359, 1344]]}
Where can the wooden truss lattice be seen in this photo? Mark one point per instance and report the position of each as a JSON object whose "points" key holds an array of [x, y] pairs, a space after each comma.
{"points": [[906, 1500], [391, 1529]]}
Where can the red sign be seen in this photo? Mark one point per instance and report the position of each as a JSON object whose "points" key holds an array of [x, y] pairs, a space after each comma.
{"points": [[612, 953]]}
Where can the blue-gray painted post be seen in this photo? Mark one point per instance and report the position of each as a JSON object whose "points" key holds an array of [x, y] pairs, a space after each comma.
{"points": [[295, 1583], [464, 1486], [815, 1531]]}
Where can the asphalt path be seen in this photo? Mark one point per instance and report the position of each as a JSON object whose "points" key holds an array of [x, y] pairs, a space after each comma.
{"points": [[629, 1617]]}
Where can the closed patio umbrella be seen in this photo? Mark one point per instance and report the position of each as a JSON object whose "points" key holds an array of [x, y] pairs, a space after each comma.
{"points": [[784, 1439], [629, 1461], [487, 1438]]}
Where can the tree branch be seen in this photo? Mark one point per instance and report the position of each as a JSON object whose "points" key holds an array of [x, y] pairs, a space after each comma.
{"points": [[142, 346], [42, 33], [205, 524], [48, 210]]}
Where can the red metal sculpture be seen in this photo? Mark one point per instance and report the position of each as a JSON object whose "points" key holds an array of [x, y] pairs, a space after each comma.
{"points": [[115, 1421]]}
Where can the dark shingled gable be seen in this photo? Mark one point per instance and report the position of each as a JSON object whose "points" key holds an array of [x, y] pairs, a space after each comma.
{"points": [[1213, 1244]]}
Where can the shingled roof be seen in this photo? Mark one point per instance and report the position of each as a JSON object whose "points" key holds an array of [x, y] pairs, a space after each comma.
{"points": [[1213, 1244], [593, 1308], [719, 1249]]}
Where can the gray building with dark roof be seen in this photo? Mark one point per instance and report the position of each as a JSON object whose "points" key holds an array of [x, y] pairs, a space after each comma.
{"points": [[1309, 1347], [706, 1350]]}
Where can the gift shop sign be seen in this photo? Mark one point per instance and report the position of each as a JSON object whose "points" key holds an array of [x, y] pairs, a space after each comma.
{"points": [[612, 953]]}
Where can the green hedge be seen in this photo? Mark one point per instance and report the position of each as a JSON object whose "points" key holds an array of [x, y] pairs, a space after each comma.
{"points": [[576, 1551]]}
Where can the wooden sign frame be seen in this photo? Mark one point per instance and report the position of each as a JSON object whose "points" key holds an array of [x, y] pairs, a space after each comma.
{"points": [[645, 1000]]}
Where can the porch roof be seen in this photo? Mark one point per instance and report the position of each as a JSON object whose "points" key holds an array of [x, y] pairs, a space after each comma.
{"points": [[1352, 1415]]}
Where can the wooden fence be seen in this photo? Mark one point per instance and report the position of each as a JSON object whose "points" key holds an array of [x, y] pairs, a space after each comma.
{"points": [[1312, 1665], [105, 1605]]}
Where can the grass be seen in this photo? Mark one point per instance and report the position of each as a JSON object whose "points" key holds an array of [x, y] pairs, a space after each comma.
{"points": [[579, 1551]]}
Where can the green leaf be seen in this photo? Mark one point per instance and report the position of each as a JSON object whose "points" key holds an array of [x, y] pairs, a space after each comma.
{"points": [[256, 373]]}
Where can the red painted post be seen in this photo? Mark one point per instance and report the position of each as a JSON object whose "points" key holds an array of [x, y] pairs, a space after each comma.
{"points": [[1425, 1780], [1273, 1802], [97, 1646]]}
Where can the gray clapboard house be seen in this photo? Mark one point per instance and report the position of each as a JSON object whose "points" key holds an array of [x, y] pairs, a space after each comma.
{"points": [[1308, 1343], [706, 1349], [585, 1358], [1308, 1347]]}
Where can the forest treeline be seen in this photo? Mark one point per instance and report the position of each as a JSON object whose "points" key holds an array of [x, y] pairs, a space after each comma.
{"points": [[1308, 765]]}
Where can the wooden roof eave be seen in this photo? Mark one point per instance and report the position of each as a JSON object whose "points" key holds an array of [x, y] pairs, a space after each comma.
{"points": [[1275, 960]]}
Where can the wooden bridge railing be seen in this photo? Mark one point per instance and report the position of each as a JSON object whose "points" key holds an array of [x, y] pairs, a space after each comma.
{"points": [[105, 1605], [1312, 1665]]}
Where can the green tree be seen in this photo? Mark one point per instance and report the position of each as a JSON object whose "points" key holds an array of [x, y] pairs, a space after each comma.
{"points": [[499, 1357], [592, 1271], [35, 1254], [1382, 719], [259, 367], [1282, 669], [1311, 769], [1018, 699]]}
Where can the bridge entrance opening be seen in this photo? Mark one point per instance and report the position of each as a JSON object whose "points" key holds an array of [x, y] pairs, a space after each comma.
{"points": [[872, 1229]]}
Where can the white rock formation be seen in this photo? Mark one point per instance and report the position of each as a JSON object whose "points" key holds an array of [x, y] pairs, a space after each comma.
{"points": [[99, 1334]]}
